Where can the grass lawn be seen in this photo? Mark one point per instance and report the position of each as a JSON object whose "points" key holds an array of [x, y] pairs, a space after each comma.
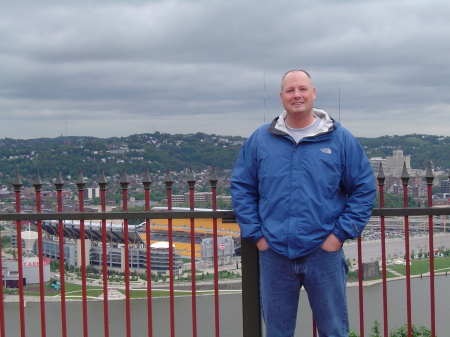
{"points": [[156, 293], [69, 287], [75, 291], [441, 264]]}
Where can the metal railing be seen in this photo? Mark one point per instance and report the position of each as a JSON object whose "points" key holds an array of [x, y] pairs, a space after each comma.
{"points": [[38, 218], [252, 323], [250, 276]]}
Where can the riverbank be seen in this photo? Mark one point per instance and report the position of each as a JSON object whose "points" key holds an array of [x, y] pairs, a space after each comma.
{"points": [[203, 289], [371, 251]]}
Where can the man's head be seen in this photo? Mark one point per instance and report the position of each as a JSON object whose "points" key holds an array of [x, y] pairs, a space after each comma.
{"points": [[293, 71], [297, 94]]}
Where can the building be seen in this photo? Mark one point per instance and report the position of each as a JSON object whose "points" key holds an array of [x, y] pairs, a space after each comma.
{"points": [[371, 270], [90, 193], [445, 186], [137, 252], [395, 163], [200, 197], [30, 264], [375, 163]]}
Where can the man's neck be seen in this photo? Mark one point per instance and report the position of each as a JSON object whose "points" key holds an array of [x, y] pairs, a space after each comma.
{"points": [[299, 122]]}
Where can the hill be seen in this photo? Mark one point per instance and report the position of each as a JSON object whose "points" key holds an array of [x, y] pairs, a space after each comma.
{"points": [[157, 151], [422, 148]]}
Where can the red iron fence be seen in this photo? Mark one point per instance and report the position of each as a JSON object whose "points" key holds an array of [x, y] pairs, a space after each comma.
{"points": [[251, 321]]}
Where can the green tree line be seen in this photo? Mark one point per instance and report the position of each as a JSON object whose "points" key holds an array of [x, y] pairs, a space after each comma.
{"points": [[158, 151]]}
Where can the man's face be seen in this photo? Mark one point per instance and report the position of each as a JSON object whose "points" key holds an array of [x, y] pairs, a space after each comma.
{"points": [[297, 94]]}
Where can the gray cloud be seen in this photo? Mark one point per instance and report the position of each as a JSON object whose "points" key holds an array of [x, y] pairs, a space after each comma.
{"points": [[115, 68]]}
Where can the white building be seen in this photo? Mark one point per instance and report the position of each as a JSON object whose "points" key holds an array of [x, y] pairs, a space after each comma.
{"points": [[394, 164]]}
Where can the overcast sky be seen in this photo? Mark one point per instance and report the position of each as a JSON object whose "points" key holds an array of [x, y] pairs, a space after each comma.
{"points": [[115, 68]]}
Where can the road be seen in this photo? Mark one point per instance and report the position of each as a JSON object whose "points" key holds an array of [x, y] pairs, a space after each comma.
{"points": [[371, 250]]}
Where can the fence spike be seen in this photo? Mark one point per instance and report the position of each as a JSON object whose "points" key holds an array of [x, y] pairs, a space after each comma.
{"points": [[146, 180], [168, 181], [429, 176], [191, 179], [59, 182], [381, 177], [17, 182], [37, 183], [213, 178], [102, 180], [405, 175], [124, 182], [80, 181]]}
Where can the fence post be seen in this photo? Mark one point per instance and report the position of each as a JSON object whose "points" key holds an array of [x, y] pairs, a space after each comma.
{"points": [[429, 177], [37, 183], [80, 182], [147, 181], [102, 185], [168, 181], [17, 184], [59, 183], [213, 182], [381, 179], [251, 307], [405, 181], [124, 182]]}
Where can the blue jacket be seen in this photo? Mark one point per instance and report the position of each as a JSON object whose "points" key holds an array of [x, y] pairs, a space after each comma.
{"points": [[295, 195]]}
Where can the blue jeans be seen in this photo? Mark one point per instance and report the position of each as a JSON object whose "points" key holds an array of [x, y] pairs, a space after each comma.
{"points": [[322, 273]]}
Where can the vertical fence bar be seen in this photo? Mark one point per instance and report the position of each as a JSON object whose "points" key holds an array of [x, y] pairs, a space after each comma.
{"points": [[314, 328], [429, 177], [102, 184], [213, 181], [405, 180], [146, 181], [169, 182], [17, 188], [124, 186], [381, 178], [80, 185], [251, 306], [360, 288], [58, 186], [2, 307], [37, 188], [191, 183]]}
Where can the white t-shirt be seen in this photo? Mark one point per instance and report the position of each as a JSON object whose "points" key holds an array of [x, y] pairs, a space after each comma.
{"points": [[298, 134]]}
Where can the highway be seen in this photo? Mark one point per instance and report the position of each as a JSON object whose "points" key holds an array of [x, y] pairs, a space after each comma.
{"points": [[371, 250]]}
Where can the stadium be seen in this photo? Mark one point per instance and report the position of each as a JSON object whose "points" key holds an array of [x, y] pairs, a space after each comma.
{"points": [[228, 245]]}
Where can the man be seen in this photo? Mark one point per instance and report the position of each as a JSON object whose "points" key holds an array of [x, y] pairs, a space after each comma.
{"points": [[301, 186]]}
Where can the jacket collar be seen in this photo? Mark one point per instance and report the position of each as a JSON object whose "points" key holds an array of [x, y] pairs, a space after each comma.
{"points": [[326, 124]]}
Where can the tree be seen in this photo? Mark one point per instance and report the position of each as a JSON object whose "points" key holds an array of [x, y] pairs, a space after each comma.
{"points": [[6, 241], [402, 331], [375, 330], [349, 263], [417, 331], [96, 201]]}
